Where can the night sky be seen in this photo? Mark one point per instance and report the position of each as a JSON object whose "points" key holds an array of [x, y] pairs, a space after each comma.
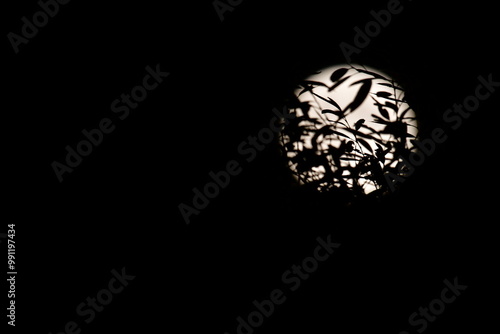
{"points": [[119, 207]]}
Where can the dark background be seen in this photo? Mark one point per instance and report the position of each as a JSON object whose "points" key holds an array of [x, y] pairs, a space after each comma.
{"points": [[119, 208]]}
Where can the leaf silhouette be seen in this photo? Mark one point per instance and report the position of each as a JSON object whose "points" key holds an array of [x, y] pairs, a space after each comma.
{"points": [[383, 112], [365, 144], [305, 90], [308, 86], [329, 100], [359, 81], [325, 130], [305, 106], [358, 124], [395, 100], [397, 129], [379, 120], [337, 113], [338, 83], [362, 94], [332, 102], [383, 94], [329, 111], [389, 85], [392, 106], [340, 134], [338, 74]]}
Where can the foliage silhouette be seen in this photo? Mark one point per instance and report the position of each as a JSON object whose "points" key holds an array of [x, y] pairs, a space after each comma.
{"points": [[329, 154]]}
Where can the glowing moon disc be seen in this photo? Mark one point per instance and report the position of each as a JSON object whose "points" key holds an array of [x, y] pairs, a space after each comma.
{"points": [[352, 126]]}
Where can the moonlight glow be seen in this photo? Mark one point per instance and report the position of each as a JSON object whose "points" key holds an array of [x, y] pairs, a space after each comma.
{"points": [[352, 124]]}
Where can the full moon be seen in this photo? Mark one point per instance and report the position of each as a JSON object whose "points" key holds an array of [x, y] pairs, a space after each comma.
{"points": [[352, 126]]}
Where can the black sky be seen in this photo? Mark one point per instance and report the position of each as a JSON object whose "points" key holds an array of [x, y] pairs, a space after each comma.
{"points": [[120, 206]]}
